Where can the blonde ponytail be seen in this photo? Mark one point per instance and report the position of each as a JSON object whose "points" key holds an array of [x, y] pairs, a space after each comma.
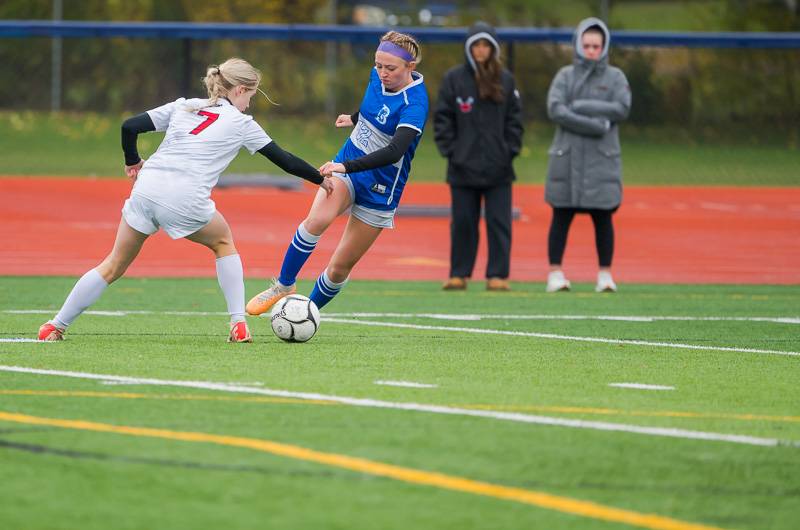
{"points": [[221, 79]]}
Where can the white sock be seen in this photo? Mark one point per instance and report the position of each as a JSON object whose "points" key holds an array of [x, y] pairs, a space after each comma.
{"points": [[86, 292], [231, 280], [306, 235]]}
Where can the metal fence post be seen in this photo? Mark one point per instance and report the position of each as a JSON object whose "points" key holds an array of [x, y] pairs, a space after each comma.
{"points": [[55, 61]]}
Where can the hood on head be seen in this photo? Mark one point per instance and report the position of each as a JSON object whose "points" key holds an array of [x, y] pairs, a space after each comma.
{"points": [[582, 27], [480, 30]]}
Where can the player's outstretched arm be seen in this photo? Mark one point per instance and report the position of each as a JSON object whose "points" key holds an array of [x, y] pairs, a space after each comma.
{"points": [[390, 154], [292, 164]]}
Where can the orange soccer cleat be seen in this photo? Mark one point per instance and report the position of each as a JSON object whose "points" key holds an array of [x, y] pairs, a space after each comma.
{"points": [[263, 301]]}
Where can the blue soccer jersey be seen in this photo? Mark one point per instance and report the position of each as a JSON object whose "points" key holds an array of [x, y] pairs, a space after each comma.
{"points": [[380, 114]]}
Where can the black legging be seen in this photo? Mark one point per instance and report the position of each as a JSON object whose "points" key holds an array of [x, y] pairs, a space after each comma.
{"points": [[603, 233]]}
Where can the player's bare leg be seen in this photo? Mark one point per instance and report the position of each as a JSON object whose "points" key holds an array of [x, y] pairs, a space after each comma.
{"points": [[217, 236], [126, 247], [358, 237], [324, 210], [92, 284]]}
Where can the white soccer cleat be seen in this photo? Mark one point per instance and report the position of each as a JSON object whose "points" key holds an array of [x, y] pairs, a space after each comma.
{"points": [[556, 282], [605, 283]]}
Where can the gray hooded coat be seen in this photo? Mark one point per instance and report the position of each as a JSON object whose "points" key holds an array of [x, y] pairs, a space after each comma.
{"points": [[586, 100]]}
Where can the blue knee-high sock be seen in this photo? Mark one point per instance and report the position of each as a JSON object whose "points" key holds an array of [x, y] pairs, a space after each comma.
{"points": [[325, 289], [301, 247]]}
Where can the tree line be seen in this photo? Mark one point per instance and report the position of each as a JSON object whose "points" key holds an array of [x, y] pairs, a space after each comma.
{"points": [[709, 91]]}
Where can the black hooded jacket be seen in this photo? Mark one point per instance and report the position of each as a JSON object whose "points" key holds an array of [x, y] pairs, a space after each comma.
{"points": [[479, 137]]}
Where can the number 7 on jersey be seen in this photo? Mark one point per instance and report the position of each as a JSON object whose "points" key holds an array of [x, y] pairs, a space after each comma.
{"points": [[210, 118]]}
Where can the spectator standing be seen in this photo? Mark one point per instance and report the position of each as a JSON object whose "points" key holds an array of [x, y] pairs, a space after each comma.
{"points": [[478, 128], [586, 100]]}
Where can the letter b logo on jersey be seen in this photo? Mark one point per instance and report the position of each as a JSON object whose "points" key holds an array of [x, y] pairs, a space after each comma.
{"points": [[383, 115]]}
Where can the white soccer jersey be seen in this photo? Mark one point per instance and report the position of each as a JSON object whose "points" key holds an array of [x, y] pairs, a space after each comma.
{"points": [[200, 143]]}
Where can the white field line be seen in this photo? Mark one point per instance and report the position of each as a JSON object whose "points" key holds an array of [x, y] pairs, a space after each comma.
{"points": [[119, 313], [132, 383], [23, 340], [408, 384], [446, 316], [436, 409], [641, 386], [623, 318], [331, 318], [558, 337]]}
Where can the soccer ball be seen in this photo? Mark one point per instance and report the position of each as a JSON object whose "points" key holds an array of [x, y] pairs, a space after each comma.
{"points": [[294, 318]]}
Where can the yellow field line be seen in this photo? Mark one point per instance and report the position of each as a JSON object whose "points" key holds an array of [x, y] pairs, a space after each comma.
{"points": [[178, 397], [499, 408], [414, 476], [620, 412]]}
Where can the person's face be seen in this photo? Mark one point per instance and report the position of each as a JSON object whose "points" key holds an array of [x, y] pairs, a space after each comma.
{"points": [[592, 45], [481, 51], [394, 72], [240, 97]]}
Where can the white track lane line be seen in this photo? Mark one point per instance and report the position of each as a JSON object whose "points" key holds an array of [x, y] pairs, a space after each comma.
{"points": [[641, 386], [436, 409], [556, 337]]}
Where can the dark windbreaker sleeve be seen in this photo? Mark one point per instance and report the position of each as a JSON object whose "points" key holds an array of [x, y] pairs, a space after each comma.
{"points": [[131, 128], [513, 127], [290, 163], [444, 120], [390, 154]]}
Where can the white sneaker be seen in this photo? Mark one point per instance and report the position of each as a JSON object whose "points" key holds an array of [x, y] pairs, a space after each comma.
{"points": [[605, 283], [556, 282]]}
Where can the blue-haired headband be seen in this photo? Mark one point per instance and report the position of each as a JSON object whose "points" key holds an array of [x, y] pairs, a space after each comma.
{"points": [[394, 49]]}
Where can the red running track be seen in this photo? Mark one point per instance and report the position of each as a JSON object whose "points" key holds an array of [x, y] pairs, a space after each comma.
{"points": [[65, 226]]}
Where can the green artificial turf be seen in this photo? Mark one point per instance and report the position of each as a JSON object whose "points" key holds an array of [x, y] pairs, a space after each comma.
{"points": [[174, 329]]}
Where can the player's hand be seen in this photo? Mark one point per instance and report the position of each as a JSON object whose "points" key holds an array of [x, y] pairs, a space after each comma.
{"points": [[327, 185], [344, 120], [133, 171], [329, 168]]}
